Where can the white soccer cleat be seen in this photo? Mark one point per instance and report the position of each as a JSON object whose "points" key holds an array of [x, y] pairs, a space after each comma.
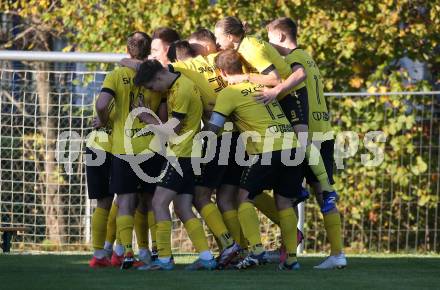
{"points": [[333, 262]]}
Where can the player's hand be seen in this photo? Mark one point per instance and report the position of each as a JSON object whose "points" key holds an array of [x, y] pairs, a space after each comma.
{"points": [[237, 79], [267, 96], [96, 123], [145, 117], [130, 63]]}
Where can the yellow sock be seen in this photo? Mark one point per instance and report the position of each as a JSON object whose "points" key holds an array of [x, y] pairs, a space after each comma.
{"points": [[163, 235], [111, 224], [288, 222], [118, 237], [141, 229], [196, 234], [125, 226], [332, 224], [153, 228], [319, 169], [230, 218], [251, 226], [99, 228], [213, 218], [266, 204]]}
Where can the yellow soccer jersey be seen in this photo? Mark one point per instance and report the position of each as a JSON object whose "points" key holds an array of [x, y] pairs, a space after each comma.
{"points": [[267, 121], [206, 78], [97, 138], [184, 102], [319, 118], [262, 58], [119, 83]]}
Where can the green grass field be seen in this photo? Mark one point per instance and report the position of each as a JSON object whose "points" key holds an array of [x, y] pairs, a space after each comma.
{"points": [[63, 272]]}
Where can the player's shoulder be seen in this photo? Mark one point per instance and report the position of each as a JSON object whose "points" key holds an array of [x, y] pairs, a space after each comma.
{"points": [[253, 40], [122, 73], [235, 90], [299, 53]]}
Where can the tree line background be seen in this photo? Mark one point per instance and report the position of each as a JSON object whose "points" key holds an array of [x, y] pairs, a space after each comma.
{"points": [[358, 46]]}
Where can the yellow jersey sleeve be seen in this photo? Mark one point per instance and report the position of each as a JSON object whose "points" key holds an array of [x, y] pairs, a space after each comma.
{"points": [[184, 102], [196, 71], [110, 84], [264, 58], [319, 117]]}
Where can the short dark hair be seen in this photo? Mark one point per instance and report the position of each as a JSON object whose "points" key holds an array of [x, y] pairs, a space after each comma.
{"points": [[285, 25], [231, 25], [230, 61], [139, 45], [166, 34], [180, 49], [147, 71], [203, 34]]}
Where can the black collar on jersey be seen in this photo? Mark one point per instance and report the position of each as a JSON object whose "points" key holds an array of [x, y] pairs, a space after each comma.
{"points": [[294, 49], [239, 43], [178, 76]]}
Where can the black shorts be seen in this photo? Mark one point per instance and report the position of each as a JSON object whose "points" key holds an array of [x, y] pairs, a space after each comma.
{"points": [[213, 174], [327, 153], [98, 177], [125, 180], [182, 184], [296, 107], [284, 180]]}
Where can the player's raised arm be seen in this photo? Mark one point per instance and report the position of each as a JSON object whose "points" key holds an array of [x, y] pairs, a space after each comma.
{"points": [[266, 65], [282, 36]]}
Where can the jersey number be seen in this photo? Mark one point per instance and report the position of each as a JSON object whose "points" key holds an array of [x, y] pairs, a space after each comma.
{"points": [[273, 115]]}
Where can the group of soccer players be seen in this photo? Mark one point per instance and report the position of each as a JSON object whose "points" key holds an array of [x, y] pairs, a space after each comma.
{"points": [[253, 95]]}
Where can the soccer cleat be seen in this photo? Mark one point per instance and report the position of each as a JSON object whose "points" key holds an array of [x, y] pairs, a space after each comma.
{"points": [[252, 260], [333, 262], [285, 266], [116, 260], [273, 256], [159, 265], [228, 255], [99, 262], [329, 201], [143, 259], [303, 196], [201, 264], [128, 261], [108, 253]]}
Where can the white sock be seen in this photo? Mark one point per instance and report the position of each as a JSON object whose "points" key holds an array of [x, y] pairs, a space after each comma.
{"points": [[99, 254], [108, 246], [165, 259], [119, 250], [206, 255]]}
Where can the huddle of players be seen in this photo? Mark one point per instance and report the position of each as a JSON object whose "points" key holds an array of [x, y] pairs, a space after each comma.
{"points": [[273, 89]]}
